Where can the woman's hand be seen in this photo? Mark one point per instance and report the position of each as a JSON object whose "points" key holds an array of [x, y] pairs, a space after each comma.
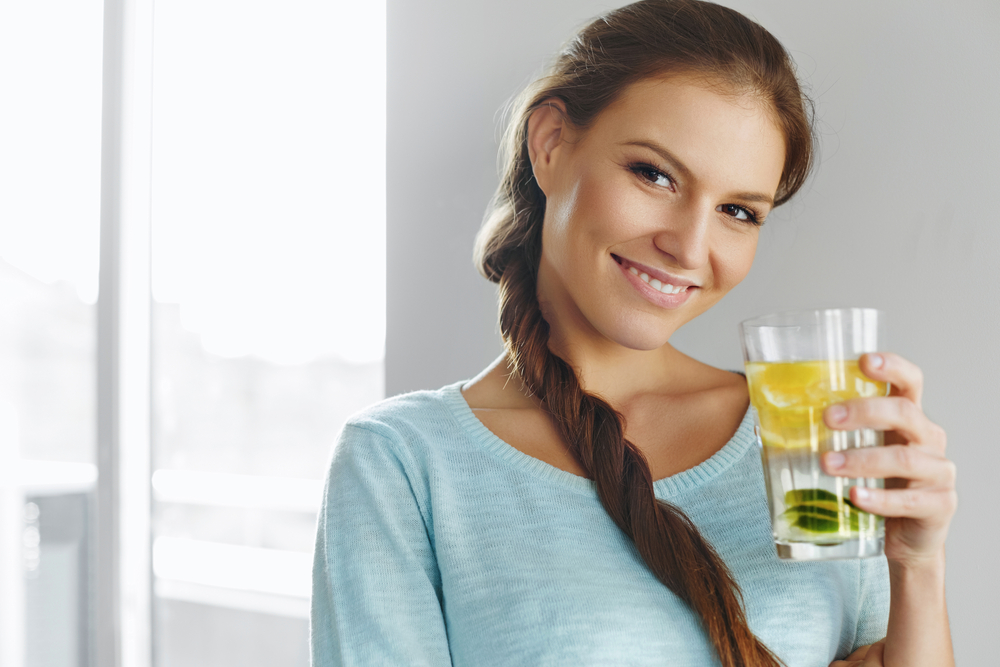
{"points": [[866, 656], [919, 499], [918, 502]]}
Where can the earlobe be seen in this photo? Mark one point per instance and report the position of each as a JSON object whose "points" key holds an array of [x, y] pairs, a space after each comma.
{"points": [[545, 135]]}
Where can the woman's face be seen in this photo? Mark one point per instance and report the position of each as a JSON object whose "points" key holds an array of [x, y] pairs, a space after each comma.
{"points": [[652, 214]]}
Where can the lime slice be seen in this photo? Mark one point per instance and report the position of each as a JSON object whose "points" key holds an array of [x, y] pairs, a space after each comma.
{"points": [[812, 496], [816, 524], [805, 516], [826, 505], [813, 509], [821, 511]]}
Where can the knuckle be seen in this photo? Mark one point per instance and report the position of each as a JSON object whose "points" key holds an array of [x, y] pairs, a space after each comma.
{"points": [[909, 500], [859, 458], [946, 503], [950, 472], [907, 410], [905, 457], [860, 409], [939, 435]]}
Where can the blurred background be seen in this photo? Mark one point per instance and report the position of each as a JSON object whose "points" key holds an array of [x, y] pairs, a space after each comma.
{"points": [[266, 208], [294, 277], [897, 216]]}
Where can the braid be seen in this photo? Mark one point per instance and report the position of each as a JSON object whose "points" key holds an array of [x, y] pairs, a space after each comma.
{"points": [[667, 540], [645, 39]]}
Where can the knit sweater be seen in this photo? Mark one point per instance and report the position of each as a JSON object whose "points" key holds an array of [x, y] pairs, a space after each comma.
{"points": [[440, 544]]}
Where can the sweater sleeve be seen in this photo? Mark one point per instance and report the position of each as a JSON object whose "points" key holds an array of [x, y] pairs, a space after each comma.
{"points": [[873, 602], [376, 586]]}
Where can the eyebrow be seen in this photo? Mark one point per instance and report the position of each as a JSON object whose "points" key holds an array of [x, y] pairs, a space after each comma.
{"points": [[682, 168]]}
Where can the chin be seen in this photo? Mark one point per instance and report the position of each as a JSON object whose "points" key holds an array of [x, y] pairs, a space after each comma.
{"points": [[640, 334]]}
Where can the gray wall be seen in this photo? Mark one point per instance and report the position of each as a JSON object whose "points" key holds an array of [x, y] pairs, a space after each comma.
{"points": [[901, 213]]}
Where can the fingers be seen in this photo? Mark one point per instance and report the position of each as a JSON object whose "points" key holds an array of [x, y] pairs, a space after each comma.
{"points": [[866, 656], [873, 658], [895, 413], [929, 490], [859, 654], [937, 504], [905, 377], [922, 468]]}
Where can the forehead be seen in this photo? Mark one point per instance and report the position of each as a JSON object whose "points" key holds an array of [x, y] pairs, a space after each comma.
{"points": [[712, 131]]}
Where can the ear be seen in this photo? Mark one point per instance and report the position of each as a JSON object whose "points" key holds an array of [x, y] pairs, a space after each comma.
{"points": [[547, 129]]}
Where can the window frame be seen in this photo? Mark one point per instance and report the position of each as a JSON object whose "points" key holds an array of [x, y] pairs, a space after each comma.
{"points": [[122, 537]]}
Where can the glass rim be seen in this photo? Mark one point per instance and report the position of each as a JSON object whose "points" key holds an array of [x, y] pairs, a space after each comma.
{"points": [[800, 316]]}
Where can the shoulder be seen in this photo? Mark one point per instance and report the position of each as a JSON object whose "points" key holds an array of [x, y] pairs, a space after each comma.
{"points": [[396, 411], [407, 424]]}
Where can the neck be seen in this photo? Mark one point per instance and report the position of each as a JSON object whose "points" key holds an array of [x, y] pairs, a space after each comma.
{"points": [[605, 367], [619, 374]]}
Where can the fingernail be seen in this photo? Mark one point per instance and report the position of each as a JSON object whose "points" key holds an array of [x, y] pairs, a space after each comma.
{"points": [[875, 360], [837, 413], [861, 493], [835, 460]]}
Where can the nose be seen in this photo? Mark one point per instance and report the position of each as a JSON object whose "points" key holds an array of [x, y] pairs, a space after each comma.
{"points": [[685, 235]]}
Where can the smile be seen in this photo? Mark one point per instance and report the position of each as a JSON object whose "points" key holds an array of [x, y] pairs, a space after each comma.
{"points": [[657, 287], [666, 288], [660, 281]]}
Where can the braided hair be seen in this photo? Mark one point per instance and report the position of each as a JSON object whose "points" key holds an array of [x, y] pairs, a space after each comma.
{"points": [[645, 39]]}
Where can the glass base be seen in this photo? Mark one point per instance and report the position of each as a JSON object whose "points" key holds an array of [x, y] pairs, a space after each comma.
{"points": [[849, 549]]}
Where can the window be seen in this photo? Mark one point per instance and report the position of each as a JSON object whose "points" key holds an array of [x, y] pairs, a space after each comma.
{"points": [[50, 177], [263, 182]]}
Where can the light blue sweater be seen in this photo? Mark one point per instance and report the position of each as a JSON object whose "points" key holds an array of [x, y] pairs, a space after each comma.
{"points": [[440, 544]]}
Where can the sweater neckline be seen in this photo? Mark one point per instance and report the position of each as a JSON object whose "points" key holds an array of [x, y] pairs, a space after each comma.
{"points": [[727, 456]]}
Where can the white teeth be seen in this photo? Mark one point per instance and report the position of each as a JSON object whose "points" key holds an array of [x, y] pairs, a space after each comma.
{"points": [[665, 288]]}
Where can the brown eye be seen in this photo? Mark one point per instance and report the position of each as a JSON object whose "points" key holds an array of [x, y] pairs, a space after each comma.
{"points": [[652, 174], [737, 212]]}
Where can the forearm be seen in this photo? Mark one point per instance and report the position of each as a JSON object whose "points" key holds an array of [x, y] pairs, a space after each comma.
{"points": [[918, 632]]}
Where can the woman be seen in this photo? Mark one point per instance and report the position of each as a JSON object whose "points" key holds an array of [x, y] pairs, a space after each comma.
{"points": [[514, 519]]}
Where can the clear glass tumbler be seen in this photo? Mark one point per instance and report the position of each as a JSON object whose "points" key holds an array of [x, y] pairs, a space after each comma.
{"points": [[797, 364]]}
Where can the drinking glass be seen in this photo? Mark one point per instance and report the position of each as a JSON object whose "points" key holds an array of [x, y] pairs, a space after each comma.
{"points": [[797, 364]]}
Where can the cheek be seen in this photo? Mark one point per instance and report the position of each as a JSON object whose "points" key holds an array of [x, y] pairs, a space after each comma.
{"points": [[584, 218], [738, 259], [609, 211]]}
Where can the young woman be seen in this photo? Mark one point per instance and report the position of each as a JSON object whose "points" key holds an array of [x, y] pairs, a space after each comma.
{"points": [[595, 497]]}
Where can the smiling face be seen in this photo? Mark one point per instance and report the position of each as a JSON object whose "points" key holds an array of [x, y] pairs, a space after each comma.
{"points": [[652, 213]]}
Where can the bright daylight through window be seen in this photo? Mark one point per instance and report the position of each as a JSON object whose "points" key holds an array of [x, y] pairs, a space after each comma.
{"points": [[268, 232], [268, 320], [50, 194]]}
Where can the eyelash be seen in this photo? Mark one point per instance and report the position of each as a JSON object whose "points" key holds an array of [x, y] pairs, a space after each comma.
{"points": [[753, 218], [643, 171]]}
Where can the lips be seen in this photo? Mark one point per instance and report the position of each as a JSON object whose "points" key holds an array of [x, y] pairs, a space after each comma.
{"points": [[661, 281], [668, 295]]}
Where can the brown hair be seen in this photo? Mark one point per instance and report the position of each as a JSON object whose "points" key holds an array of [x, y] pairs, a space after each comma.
{"points": [[645, 39]]}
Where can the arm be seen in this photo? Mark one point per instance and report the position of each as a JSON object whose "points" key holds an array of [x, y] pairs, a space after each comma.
{"points": [[918, 631], [917, 603], [918, 503], [376, 586]]}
